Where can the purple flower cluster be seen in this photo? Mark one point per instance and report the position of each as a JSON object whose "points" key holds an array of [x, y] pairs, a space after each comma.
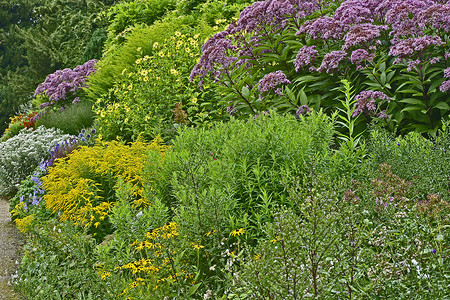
{"points": [[363, 35], [325, 28], [405, 48], [305, 57], [331, 61], [63, 83], [271, 81], [366, 102], [302, 110], [445, 86], [359, 56], [261, 20]]}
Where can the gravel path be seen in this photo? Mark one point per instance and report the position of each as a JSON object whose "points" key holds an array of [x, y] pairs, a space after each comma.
{"points": [[11, 243]]}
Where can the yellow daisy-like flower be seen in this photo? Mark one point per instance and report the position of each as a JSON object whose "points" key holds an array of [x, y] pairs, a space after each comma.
{"points": [[188, 50], [197, 246], [155, 45], [138, 61], [177, 33], [174, 72], [144, 72], [161, 54], [194, 100], [197, 36], [179, 43], [145, 78], [130, 87], [126, 120], [237, 232]]}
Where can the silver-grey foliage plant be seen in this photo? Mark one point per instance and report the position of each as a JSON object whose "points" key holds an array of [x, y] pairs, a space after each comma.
{"points": [[20, 154]]}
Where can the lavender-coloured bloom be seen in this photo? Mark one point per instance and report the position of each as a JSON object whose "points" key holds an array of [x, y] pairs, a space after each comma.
{"points": [[305, 57], [447, 73], [383, 115], [404, 48], [436, 16], [302, 110], [366, 102], [434, 60], [331, 61], [354, 12], [272, 81], [58, 85], [362, 34], [433, 251], [324, 28], [412, 64], [359, 56], [445, 86], [76, 100]]}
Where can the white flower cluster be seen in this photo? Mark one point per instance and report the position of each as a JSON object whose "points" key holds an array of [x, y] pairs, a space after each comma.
{"points": [[20, 154]]}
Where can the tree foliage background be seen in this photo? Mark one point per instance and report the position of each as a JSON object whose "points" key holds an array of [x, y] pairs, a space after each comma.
{"points": [[38, 37]]}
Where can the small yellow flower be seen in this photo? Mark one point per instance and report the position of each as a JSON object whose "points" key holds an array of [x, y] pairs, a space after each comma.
{"points": [[138, 61], [179, 43], [105, 275], [161, 54], [96, 224], [215, 28], [146, 78], [177, 33], [155, 45], [237, 232], [144, 72], [126, 120], [130, 87], [197, 246], [194, 100], [139, 49], [197, 36], [188, 50], [174, 72]]}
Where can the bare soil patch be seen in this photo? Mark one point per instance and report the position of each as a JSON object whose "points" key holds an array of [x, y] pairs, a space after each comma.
{"points": [[11, 244]]}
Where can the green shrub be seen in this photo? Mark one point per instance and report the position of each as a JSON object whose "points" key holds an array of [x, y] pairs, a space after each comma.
{"points": [[58, 264], [415, 158], [70, 120], [154, 95], [134, 14], [347, 240]]}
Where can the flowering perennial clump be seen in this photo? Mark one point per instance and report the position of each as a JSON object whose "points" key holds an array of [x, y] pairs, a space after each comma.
{"points": [[367, 102], [64, 84], [80, 186], [385, 42]]}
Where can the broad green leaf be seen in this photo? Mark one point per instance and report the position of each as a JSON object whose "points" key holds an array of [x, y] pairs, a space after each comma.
{"points": [[413, 101], [412, 108], [442, 105]]}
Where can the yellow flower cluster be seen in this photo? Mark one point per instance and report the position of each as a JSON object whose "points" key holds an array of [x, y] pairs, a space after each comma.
{"points": [[155, 266], [24, 224], [237, 232], [80, 187]]}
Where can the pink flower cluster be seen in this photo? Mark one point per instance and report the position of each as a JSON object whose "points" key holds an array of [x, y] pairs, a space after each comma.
{"points": [[445, 86], [271, 81], [59, 85], [367, 102], [305, 57]]}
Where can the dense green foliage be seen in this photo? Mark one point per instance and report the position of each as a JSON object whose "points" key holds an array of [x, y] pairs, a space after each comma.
{"points": [[286, 176]]}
